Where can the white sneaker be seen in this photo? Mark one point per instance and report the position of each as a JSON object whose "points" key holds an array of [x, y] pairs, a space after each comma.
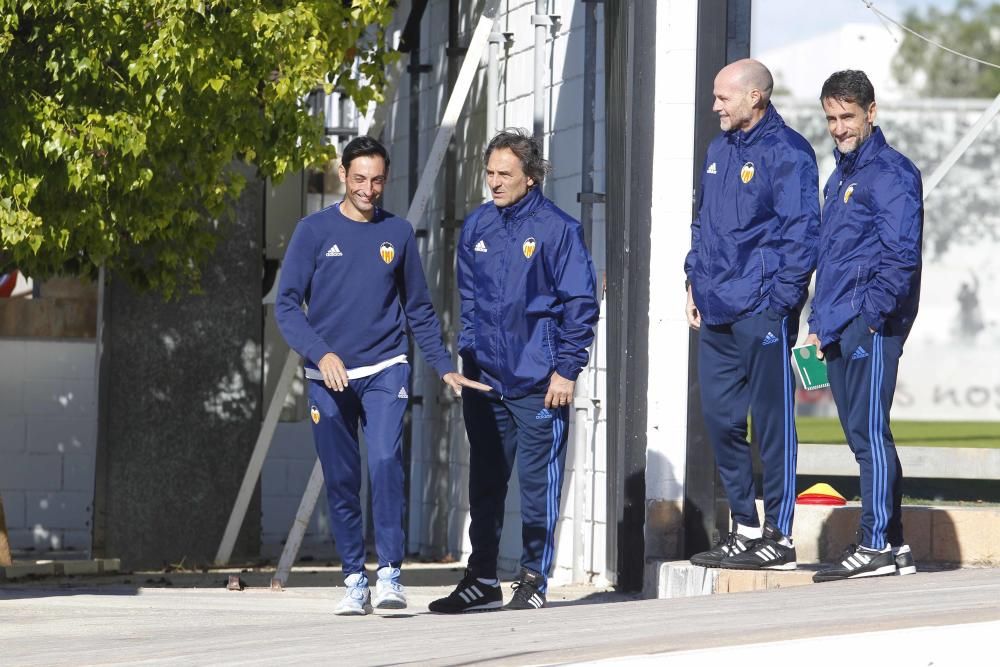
{"points": [[358, 599], [389, 593]]}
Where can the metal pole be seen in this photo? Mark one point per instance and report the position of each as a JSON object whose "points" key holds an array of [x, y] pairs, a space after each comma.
{"points": [[298, 530], [493, 81], [252, 474], [962, 146], [541, 21], [428, 179]]}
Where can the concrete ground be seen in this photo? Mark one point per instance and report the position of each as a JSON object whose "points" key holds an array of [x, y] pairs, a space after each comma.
{"points": [[189, 618]]}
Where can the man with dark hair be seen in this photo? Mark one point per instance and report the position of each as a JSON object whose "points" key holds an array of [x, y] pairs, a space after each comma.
{"points": [[357, 268], [529, 307], [867, 292], [753, 250]]}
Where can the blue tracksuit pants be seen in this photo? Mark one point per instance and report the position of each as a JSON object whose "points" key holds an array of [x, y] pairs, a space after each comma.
{"points": [[502, 433], [378, 402], [745, 366], [862, 369]]}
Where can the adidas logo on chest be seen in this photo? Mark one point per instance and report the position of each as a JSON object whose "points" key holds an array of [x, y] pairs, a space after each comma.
{"points": [[481, 246], [334, 251], [402, 393]]}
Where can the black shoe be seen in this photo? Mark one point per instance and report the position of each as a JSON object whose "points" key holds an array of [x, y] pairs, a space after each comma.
{"points": [[857, 562], [733, 544], [773, 551], [904, 560], [470, 595], [527, 593]]}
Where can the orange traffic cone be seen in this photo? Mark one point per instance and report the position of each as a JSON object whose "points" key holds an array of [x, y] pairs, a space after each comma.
{"points": [[820, 494]]}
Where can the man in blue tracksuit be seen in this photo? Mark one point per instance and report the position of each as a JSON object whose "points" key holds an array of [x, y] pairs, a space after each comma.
{"points": [[358, 270], [529, 308], [867, 292], [753, 249]]}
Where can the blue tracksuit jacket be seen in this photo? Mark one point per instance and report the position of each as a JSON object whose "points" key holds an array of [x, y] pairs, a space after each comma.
{"points": [[754, 241], [527, 289], [871, 236]]}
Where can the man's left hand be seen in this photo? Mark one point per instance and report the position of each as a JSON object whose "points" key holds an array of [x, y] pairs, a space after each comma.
{"points": [[456, 381], [560, 391]]}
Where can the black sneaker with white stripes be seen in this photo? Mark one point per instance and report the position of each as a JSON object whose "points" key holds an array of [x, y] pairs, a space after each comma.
{"points": [[527, 592], [470, 595], [904, 560], [858, 561], [773, 551], [732, 544]]}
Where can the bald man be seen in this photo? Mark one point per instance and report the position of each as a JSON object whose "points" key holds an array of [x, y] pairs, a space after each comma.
{"points": [[753, 249]]}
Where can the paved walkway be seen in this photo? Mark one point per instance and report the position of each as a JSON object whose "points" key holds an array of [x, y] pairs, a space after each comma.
{"points": [[161, 622]]}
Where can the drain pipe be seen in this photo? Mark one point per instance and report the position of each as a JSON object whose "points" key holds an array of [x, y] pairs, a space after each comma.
{"points": [[493, 80], [541, 21], [586, 401]]}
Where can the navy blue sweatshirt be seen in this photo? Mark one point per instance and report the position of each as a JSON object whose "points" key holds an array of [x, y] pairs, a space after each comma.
{"points": [[363, 284]]}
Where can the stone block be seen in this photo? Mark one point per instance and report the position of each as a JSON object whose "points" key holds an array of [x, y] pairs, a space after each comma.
{"points": [[737, 581], [273, 479], [57, 511], [56, 434], [77, 540], [21, 570], [78, 473], [13, 434], [13, 509], [677, 579], [61, 359], [31, 472], [59, 398], [11, 396], [967, 536]]}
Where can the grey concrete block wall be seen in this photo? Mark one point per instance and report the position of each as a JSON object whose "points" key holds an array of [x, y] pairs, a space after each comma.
{"points": [[47, 442]]}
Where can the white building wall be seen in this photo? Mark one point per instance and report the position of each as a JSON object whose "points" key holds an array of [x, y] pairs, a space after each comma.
{"points": [[670, 239], [48, 435], [563, 139]]}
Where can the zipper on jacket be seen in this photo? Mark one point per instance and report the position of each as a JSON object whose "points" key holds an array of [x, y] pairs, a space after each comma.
{"points": [[505, 229], [763, 271]]}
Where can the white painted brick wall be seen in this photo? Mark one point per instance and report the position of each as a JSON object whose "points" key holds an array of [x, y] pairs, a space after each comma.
{"points": [[48, 425], [564, 89]]}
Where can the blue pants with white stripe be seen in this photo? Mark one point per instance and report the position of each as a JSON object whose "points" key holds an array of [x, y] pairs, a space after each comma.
{"points": [[502, 433], [745, 367], [378, 402], [862, 369]]}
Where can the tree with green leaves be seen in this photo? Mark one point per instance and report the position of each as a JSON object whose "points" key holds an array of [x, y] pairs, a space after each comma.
{"points": [[123, 121], [970, 27]]}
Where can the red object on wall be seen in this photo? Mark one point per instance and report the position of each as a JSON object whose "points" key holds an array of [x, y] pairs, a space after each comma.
{"points": [[7, 283]]}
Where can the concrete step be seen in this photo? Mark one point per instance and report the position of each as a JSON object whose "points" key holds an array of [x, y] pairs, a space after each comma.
{"points": [[941, 537], [23, 569]]}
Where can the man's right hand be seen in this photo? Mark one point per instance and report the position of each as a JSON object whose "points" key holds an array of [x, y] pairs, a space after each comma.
{"points": [[813, 339], [694, 317], [334, 372]]}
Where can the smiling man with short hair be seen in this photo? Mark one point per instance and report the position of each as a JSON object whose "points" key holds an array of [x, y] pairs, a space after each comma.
{"points": [[867, 293], [358, 269]]}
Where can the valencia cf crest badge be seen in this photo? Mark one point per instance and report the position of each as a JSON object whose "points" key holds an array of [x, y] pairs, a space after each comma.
{"points": [[528, 248], [387, 252], [848, 192], [746, 173], [314, 413]]}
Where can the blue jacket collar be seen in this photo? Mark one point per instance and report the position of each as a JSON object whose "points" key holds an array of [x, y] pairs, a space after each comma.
{"points": [[525, 206], [771, 121], [848, 162]]}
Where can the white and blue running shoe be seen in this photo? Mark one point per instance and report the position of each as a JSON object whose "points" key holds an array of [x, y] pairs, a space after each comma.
{"points": [[358, 599]]}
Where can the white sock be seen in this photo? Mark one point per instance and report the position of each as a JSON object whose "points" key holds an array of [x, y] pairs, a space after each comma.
{"points": [[751, 532], [489, 582]]}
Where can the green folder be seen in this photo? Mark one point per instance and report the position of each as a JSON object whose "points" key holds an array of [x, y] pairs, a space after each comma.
{"points": [[812, 370]]}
